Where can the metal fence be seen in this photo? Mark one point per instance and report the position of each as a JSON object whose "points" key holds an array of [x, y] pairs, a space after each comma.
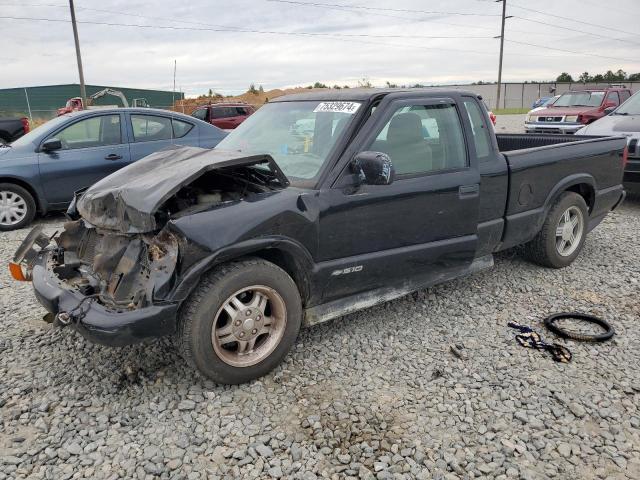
{"points": [[41, 102], [522, 95]]}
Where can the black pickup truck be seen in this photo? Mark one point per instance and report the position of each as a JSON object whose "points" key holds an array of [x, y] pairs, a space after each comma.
{"points": [[12, 129], [316, 206]]}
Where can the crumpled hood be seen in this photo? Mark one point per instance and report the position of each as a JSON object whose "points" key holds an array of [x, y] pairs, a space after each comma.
{"points": [[126, 200]]}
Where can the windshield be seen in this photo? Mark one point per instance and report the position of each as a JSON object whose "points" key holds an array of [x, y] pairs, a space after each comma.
{"points": [[579, 99], [37, 132], [630, 107], [298, 135]]}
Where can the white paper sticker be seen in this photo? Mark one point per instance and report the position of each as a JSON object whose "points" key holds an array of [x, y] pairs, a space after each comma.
{"points": [[337, 107]]}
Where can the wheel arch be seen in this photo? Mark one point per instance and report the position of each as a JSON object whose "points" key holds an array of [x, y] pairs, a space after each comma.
{"points": [[287, 254], [40, 205], [582, 184]]}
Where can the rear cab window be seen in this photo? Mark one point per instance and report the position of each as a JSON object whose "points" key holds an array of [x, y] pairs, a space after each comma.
{"points": [[479, 130]]}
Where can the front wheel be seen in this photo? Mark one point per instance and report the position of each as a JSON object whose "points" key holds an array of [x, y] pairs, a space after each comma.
{"points": [[563, 233], [17, 207], [240, 321]]}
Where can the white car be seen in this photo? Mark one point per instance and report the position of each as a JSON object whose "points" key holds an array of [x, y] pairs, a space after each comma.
{"points": [[624, 121]]}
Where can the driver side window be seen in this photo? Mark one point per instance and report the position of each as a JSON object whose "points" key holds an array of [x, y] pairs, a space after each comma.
{"points": [[91, 132], [422, 139]]}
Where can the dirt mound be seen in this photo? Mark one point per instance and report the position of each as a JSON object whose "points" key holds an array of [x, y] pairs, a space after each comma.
{"points": [[257, 99]]}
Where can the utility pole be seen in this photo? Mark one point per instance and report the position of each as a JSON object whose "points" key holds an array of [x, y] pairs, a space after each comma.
{"points": [[83, 90], [175, 66], [504, 17]]}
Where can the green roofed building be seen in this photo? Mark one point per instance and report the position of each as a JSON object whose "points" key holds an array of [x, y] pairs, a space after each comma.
{"points": [[41, 102]]}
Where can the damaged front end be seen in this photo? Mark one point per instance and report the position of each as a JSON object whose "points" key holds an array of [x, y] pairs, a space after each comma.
{"points": [[111, 272], [121, 271], [111, 287]]}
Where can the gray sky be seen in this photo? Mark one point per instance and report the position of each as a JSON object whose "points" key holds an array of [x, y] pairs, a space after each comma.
{"points": [[383, 41]]}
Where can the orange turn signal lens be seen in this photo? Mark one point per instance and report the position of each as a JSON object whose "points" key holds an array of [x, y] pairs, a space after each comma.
{"points": [[16, 272]]}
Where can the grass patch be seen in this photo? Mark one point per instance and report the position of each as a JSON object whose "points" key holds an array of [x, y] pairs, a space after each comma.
{"points": [[511, 111]]}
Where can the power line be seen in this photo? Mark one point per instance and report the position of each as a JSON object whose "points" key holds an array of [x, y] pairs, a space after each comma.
{"points": [[582, 32], [547, 14], [340, 9], [303, 34], [570, 51], [245, 30], [382, 9], [334, 36]]}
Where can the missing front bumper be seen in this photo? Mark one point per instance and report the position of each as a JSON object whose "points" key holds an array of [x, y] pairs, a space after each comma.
{"points": [[93, 320]]}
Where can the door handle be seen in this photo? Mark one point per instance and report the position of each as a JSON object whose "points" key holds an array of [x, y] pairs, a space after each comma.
{"points": [[466, 191], [113, 156]]}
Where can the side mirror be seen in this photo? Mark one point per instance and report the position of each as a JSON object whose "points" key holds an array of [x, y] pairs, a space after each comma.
{"points": [[374, 168], [51, 145], [608, 110]]}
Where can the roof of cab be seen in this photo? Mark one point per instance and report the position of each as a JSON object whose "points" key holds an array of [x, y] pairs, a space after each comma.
{"points": [[363, 94]]}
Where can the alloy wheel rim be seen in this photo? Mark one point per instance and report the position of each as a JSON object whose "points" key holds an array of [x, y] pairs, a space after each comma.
{"points": [[249, 326], [13, 208], [569, 231]]}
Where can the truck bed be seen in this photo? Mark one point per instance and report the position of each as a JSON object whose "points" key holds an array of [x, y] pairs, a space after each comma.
{"points": [[508, 142], [539, 165]]}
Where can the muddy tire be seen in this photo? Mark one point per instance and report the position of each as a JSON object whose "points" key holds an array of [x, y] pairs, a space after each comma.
{"points": [[563, 233], [240, 321], [17, 207]]}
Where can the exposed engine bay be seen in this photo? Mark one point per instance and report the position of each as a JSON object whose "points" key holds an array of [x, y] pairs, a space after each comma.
{"points": [[211, 190], [120, 271]]}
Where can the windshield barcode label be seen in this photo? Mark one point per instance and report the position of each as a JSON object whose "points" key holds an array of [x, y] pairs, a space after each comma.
{"points": [[337, 107]]}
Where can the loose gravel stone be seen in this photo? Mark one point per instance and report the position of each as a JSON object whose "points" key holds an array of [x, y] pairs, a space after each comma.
{"points": [[377, 394]]}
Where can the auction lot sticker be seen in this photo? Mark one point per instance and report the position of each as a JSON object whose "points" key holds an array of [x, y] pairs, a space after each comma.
{"points": [[337, 107]]}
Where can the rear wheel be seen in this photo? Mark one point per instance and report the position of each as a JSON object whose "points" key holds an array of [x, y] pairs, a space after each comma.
{"points": [[563, 233], [241, 321], [17, 207]]}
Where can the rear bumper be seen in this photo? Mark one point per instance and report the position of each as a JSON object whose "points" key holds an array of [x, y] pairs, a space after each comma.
{"points": [[552, 127], [96, 322], [632, 171]]}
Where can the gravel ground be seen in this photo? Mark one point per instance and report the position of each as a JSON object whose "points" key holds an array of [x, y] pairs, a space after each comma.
{"points": [[377, 394], [510, 124]]}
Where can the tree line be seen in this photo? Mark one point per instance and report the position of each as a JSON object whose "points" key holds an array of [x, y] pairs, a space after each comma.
{"points": [[584, 77], [609, 76]]}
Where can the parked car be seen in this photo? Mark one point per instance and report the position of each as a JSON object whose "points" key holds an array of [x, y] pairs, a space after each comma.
{"points": [[574, 109], [540, 102], [623, 121], [12, 129], [41, 171], [233, 249], [549, 101], [224, 115]]}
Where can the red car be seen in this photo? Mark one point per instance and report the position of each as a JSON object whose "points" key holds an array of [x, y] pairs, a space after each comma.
{"points": [[224, 115], [575, 109]]}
